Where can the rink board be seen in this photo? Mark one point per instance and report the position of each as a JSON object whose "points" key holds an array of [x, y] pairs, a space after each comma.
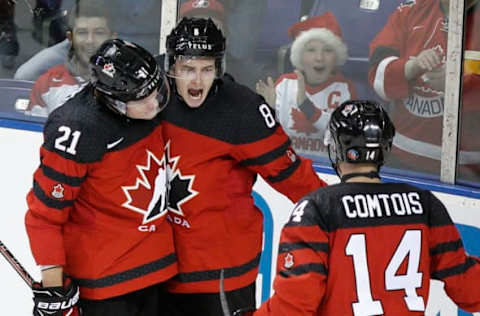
{"points": [[20, 142]]}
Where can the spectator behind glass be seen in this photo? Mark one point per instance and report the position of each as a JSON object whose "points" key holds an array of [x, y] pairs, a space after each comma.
{"points": [[245, 17], [8, 34], [407, 67], [137, 21], [89, 29], [205, 9], [305, 99], [48, 12]]}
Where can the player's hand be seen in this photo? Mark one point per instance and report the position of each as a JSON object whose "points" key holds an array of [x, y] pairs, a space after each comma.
{"points": [[267, 90], [56, 301], [300, 87]]}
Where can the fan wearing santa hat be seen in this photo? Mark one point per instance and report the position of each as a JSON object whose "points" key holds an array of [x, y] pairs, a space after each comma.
{"points": [[304, 99]]}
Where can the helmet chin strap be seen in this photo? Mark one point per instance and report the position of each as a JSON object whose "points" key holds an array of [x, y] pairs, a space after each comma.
{"points": [[371, 175], [334, 164]]}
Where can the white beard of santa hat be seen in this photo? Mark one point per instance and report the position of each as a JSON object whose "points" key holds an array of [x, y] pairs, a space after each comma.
{"points": [[325, 28]]}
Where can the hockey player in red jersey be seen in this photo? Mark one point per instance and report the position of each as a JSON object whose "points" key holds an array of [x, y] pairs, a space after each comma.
{"points": [[363, 247], [407, 60], [97, 208], [219, 136]]}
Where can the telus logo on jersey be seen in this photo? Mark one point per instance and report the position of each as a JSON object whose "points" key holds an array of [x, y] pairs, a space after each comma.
{"points": [[148, 196], [381, 205]]}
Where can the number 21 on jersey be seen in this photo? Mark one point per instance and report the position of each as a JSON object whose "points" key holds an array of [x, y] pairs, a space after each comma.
{"points": [[68, 140], [410, 246]]}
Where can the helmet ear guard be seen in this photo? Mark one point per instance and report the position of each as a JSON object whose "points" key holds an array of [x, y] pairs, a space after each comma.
{"points": [[360, 131]]}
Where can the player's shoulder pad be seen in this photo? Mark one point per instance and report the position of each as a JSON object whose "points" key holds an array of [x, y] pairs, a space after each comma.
{"points": [[77, 130], [253, 118]]}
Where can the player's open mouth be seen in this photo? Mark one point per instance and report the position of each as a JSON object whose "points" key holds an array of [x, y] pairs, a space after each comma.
{"points": [[319, 69], [195, 93]]}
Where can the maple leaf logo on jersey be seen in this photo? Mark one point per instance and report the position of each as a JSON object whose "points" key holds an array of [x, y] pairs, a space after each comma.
{"points": [[288, 261], [302, 124], [153, 177], [180, 186]]}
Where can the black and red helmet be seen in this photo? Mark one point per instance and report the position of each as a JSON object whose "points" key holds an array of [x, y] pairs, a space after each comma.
{"points": [[360, 132]]}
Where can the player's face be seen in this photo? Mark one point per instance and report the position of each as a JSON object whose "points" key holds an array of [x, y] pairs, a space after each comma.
{"points": [[194, 78], [319, 61], [88, 34], [144, 109]]}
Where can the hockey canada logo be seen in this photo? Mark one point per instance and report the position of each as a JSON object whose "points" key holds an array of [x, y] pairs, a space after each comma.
{"points": [[109, 70], [180, 186], [152, 178], [57, 191], [288, 261]]}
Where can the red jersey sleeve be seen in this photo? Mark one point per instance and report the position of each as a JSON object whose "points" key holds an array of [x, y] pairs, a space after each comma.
{"points": [[56, 184], [302, 265], [450, 263], [387, 60], [272, 156]]}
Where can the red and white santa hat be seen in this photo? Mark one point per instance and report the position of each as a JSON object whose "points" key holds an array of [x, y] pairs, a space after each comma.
{"points": [[212, 8], [325, 28]]}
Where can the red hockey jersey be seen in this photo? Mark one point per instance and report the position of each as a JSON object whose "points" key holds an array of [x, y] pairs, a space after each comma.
{"points": [[370, 249], [98, 201], [215, 153], [418, 108]]}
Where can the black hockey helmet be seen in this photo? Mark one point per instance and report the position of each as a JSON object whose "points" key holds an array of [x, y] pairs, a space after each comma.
{"points": [[123, 71], [360, 131], [196, 37]]}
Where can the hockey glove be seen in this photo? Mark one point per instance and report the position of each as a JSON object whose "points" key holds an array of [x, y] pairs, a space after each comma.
{"points": [[56, 301], [244, 312]]}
